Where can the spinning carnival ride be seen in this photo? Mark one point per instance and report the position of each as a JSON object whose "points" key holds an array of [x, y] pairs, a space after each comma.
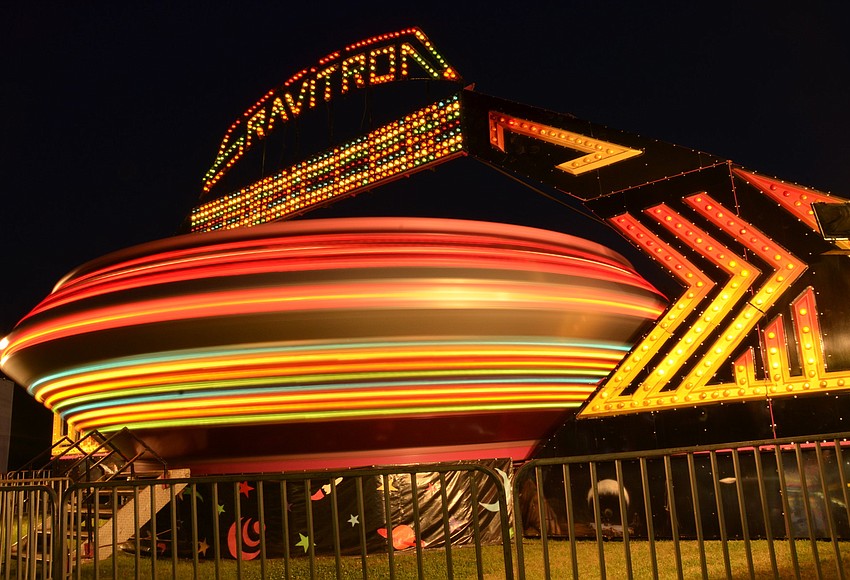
{"points": [[250, 345], [327, 342]]}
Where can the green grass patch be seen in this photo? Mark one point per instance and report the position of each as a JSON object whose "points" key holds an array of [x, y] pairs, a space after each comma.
{"points": [[464, 563], [587, 556]]}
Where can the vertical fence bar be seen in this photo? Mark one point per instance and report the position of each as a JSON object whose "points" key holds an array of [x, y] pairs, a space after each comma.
{"points": [[19, 517], [388, 518], [237, 522], [361, 511], [417, 527], [284, 522], [261, 508], [742, 509], [5, 534], [519, 532], [692, 477], [137, 533], [544, 524], [647, 509], [59, 543], [827, 505], [807, 507], [476, 531], [22, 533], [172, 503], [623, 517], [94, 536], [35, 532], [721, 516], [42, 534], [571, 522], [504, 493], [216, 532], [674, 523], [335, 529], [75, 528], [765, 510], [32, 531], [597, 518], [60, 554], [196, 544], [447, 532], [845, 493], [786, 511], [311, 531], [152, 506], [31, 541], [46, 532]]}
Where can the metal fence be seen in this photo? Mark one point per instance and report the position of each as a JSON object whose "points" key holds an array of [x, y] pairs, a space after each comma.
{"points": [[396, 522], [28, 517], [775, 508]]}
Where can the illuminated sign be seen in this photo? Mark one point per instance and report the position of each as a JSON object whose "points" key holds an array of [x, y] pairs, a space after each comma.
{"points": [[425, 137], [378, 60], [598, 153]]}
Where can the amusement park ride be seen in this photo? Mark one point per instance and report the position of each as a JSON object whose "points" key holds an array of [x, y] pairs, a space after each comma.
{"points": [[260, 340]]}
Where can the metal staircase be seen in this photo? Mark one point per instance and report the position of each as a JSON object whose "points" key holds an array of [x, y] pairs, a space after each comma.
{"points": [[102, 496]]}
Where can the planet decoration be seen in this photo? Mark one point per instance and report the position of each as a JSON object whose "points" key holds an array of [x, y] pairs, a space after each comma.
{"points": [[334, 342]]}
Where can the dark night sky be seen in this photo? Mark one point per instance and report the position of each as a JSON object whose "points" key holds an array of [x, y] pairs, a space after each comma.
{"points": [[112, 113]]}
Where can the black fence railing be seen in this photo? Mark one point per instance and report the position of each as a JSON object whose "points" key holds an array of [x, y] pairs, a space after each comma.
{"points": [[396, 522], [28, 517], [775, 508]]}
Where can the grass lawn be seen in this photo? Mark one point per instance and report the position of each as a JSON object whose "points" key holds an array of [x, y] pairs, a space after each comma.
{"points": [[434, 565]]}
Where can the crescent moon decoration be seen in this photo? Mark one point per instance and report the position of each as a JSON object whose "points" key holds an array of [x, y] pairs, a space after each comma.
{"points": [[506, 485], [247, 540]]}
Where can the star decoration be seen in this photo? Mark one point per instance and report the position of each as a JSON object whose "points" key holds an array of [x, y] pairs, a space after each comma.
{"points": [[220, 508], [392, 486], [354, 520], [203, 547], [433, 488], [304, 542], [245, 488]]}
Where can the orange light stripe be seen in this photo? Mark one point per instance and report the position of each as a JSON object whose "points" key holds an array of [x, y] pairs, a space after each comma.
{"points": [[366, 396], [52, 393], [284, 366], [317, 297], [374, 253], [88, 420]]}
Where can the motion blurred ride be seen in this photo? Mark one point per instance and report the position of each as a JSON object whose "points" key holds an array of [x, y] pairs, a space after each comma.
{"points": [[334, 342]]}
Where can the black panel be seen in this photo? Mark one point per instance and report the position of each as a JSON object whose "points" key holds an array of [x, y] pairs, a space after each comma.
{"points": [[812, 414], [538, 159], [6, 391], [833, 220]]}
